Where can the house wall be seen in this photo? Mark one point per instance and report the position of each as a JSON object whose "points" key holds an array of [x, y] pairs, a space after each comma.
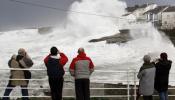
{"points": [[159, 16], [168, 20], [139, 12], [153, 17]]}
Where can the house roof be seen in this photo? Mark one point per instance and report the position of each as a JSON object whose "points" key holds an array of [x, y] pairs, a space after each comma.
{"points": [[143, 6], [170, 9], [156, 10], [131, 9]]}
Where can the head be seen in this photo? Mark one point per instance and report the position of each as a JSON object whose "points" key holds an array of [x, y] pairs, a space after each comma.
{"points": [[147, 59], [164, 56], [21, 52], [81, 50], [53, 51]]}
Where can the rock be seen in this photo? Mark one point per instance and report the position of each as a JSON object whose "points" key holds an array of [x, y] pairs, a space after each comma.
{"points": [[170, 33], [121, 37], [45, 30]]}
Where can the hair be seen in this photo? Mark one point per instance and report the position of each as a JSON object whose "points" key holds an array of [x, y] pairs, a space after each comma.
{"points": [[21, 52], [164, 56], [53, 50], [80, 50], [146, 58]]}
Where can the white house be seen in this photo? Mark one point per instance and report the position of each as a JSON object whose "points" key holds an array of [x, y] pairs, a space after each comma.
{"points": [[161, 16], [138, 11], [168, 18], [155, 15]]}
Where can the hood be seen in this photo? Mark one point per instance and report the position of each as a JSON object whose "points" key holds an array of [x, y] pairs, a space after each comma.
{"points": [[146, 66], [55, 57], [81, 55]]}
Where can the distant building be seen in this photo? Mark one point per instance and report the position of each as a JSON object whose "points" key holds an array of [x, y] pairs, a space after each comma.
{"points": [[161, 16], [168, 18], [155, 15], [138, 11]]}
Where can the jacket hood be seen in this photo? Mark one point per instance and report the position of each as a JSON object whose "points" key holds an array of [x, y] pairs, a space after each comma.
{"points": [[146, 66], [55, 57], [81, 55]]}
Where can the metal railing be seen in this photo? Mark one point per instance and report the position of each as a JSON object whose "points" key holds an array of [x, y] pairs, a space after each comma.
{"points": [[125, 85]]}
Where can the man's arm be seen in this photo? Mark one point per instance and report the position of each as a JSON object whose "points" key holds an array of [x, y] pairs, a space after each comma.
{"points": [[63, 59], [140, 74], [46, 59], [72, 67], [91, 66], [28, 61]]}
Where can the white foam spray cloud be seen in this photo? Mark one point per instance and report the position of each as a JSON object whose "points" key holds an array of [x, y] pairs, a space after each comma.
{"points": [[92, 20], [80, 29]]}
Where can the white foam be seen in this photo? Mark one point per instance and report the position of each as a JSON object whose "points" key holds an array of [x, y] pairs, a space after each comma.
{"points": [[80, 29]]}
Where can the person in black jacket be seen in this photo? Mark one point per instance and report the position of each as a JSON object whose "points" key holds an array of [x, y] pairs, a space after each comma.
{"points": [[163, 67], [55, 71]]}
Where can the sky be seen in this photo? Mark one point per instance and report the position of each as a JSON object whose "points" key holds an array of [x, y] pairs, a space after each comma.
{"points": [[17, 16], [160, 2]]}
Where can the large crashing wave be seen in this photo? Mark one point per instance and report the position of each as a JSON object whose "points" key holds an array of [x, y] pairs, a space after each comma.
{"points": [[80, 28]]}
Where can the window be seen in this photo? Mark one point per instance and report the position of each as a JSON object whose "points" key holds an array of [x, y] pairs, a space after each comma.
{"points": [[168, 16]]}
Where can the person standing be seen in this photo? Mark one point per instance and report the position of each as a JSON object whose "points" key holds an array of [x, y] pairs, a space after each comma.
{"points": [[146, 76], [163, 67], [81, 68], [22, 60], [55, 62]]}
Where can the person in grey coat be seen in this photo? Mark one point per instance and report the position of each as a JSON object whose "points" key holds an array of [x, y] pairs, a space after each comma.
{"points": [[146, 76]]}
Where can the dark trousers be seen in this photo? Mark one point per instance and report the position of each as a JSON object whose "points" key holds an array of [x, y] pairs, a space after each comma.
{"points": [[56, 86], [82, 89], [10, 88], [148, 97], [163, 95]]}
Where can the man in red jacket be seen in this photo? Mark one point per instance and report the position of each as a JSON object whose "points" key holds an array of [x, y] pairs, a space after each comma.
{"points": [[81, 69], [55, 72]]}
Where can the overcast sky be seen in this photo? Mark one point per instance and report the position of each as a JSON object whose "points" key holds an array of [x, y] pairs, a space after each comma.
{"points": [[16, 16], [160, 2]]}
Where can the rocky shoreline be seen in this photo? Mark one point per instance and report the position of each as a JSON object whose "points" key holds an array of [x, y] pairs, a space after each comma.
{"points": [[170, 34], [124, 36], [121, 37]]}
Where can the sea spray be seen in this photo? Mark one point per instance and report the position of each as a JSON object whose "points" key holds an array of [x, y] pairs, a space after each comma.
{"points": [[80, 28]]}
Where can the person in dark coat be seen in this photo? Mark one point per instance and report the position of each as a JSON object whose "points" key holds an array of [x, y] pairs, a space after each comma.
{"points": [[20, 61], [55, 62], [146, 76], [163, 67]]}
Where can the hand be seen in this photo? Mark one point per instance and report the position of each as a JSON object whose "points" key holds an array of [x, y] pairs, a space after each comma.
{"points": [[58, 52], [156, 60]]}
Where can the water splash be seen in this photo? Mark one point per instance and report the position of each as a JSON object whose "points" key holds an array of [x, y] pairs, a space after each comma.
{"points": [[81, 28]]}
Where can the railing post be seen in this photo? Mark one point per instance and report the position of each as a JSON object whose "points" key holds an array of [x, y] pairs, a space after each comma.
{"points": [[135, 85], [128, 87]]}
